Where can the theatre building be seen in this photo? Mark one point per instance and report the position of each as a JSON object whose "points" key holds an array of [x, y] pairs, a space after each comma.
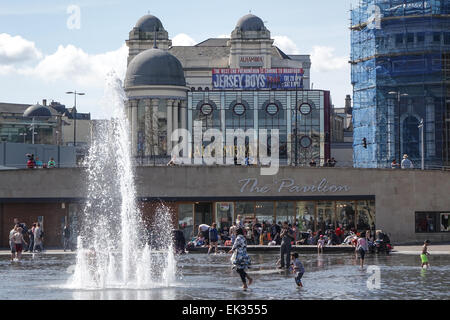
{"points": [[241, 82]]}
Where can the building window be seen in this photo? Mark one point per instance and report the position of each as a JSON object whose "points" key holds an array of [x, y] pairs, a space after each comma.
{"points": [[306, 215], [272, 109], [224, 214], [399, 39], [207, 112], [410, 37], [271, 116], [430, 222], [206, 109], [285, 212], [239, 109], [366, 216], [345, 214], [447, 38], [325, 216], [305, 142], [437, 37], [264, 211], [305, 109], [421, 37], [186, 220]]}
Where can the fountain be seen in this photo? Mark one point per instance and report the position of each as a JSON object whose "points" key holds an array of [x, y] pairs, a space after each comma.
{"points": [[113, 247]]}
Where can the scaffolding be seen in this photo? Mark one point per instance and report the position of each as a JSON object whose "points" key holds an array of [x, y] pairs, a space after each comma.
{"points": [[400, 75]]}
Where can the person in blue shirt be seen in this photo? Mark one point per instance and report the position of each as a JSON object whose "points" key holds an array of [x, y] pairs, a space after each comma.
{"points": [[297, 268], [213, 237]]}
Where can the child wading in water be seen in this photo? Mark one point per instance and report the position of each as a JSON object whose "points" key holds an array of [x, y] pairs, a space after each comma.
{"points": [[297, 267], [240, 258], [425, 254]]}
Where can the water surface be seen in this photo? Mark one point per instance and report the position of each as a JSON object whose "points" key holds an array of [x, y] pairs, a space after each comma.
{"points": [[331, 276]]}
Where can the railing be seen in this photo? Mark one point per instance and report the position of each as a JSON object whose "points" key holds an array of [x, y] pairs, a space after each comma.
{"points": [[164, 161]]}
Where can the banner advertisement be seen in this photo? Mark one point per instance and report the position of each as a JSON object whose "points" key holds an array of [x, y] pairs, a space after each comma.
{"points": [[257, 78]]}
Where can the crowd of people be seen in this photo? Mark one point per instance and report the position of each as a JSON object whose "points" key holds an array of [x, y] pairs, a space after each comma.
{"points": [[34, 162], [23, 239], [267, 233]]}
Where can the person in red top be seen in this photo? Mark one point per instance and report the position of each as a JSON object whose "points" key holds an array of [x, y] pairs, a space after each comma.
{"points": [[339, 233], [31, 163]]}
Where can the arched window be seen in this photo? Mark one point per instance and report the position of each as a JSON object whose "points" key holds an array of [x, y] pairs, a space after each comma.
{"points": [[272, 115]]}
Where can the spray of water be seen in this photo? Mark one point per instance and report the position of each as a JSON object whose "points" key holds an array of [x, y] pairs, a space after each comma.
{"points": [[114, 247]]}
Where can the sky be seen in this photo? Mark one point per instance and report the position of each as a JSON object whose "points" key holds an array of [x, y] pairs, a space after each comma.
{"points": [[49, 47]]}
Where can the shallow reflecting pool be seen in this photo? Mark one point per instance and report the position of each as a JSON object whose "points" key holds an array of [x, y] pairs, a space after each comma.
{"points": [[331, 276]]}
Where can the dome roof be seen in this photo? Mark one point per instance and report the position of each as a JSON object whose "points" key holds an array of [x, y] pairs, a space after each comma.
{"points": [[148, 23], [250, 22], [154, 67], [37, 110]]}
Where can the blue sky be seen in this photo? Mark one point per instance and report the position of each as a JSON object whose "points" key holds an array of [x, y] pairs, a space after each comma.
{"points": [[42, 58]]}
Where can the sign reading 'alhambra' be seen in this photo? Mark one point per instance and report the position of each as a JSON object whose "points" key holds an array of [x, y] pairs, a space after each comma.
{"points": [[251, 185]]}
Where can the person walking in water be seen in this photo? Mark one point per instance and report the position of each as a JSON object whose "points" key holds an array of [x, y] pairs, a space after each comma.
{"points": [[19, 241], [38, 237], [362, 246], [297, 268], [425, 254], [11, 242], [240, 258], [287, 235], [213, 238]]}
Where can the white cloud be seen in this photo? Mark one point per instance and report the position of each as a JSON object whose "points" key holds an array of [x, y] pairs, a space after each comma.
{"points": [[72, 63], [183, 39], [286, 44], [17, 49], [323, 59], [67, 63], [223, 36]]}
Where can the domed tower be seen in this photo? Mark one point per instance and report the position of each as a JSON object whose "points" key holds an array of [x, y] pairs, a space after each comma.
{"points": [[156, 89], [251, 45], [142, 37], [37, 111]]}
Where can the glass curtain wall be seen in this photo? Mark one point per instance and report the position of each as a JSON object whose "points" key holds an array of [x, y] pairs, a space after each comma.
{"points": [[306, 215], [186, 220]]}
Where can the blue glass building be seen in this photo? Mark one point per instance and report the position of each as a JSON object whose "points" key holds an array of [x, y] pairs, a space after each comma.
{"points": [[400, 57]]}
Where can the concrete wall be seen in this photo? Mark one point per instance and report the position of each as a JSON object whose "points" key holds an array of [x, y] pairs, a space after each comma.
{"points": [[398, 193], [342, 152], [13, 154]]}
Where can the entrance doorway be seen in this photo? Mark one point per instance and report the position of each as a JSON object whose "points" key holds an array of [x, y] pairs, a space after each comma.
{"points": [[203, 214]]}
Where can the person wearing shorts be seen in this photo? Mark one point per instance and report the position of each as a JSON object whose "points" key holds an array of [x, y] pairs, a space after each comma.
{"points": [[424, 255], [297, 267], [19, 241], [11, 242], [362, 247]]}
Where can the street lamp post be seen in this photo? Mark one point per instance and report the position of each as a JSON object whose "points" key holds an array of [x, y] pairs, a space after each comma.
{"points": [[399, 95], [422, 148], [74, 113]]}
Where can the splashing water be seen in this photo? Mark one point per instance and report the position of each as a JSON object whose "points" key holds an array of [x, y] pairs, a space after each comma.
{"points": [[113, 249]]}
